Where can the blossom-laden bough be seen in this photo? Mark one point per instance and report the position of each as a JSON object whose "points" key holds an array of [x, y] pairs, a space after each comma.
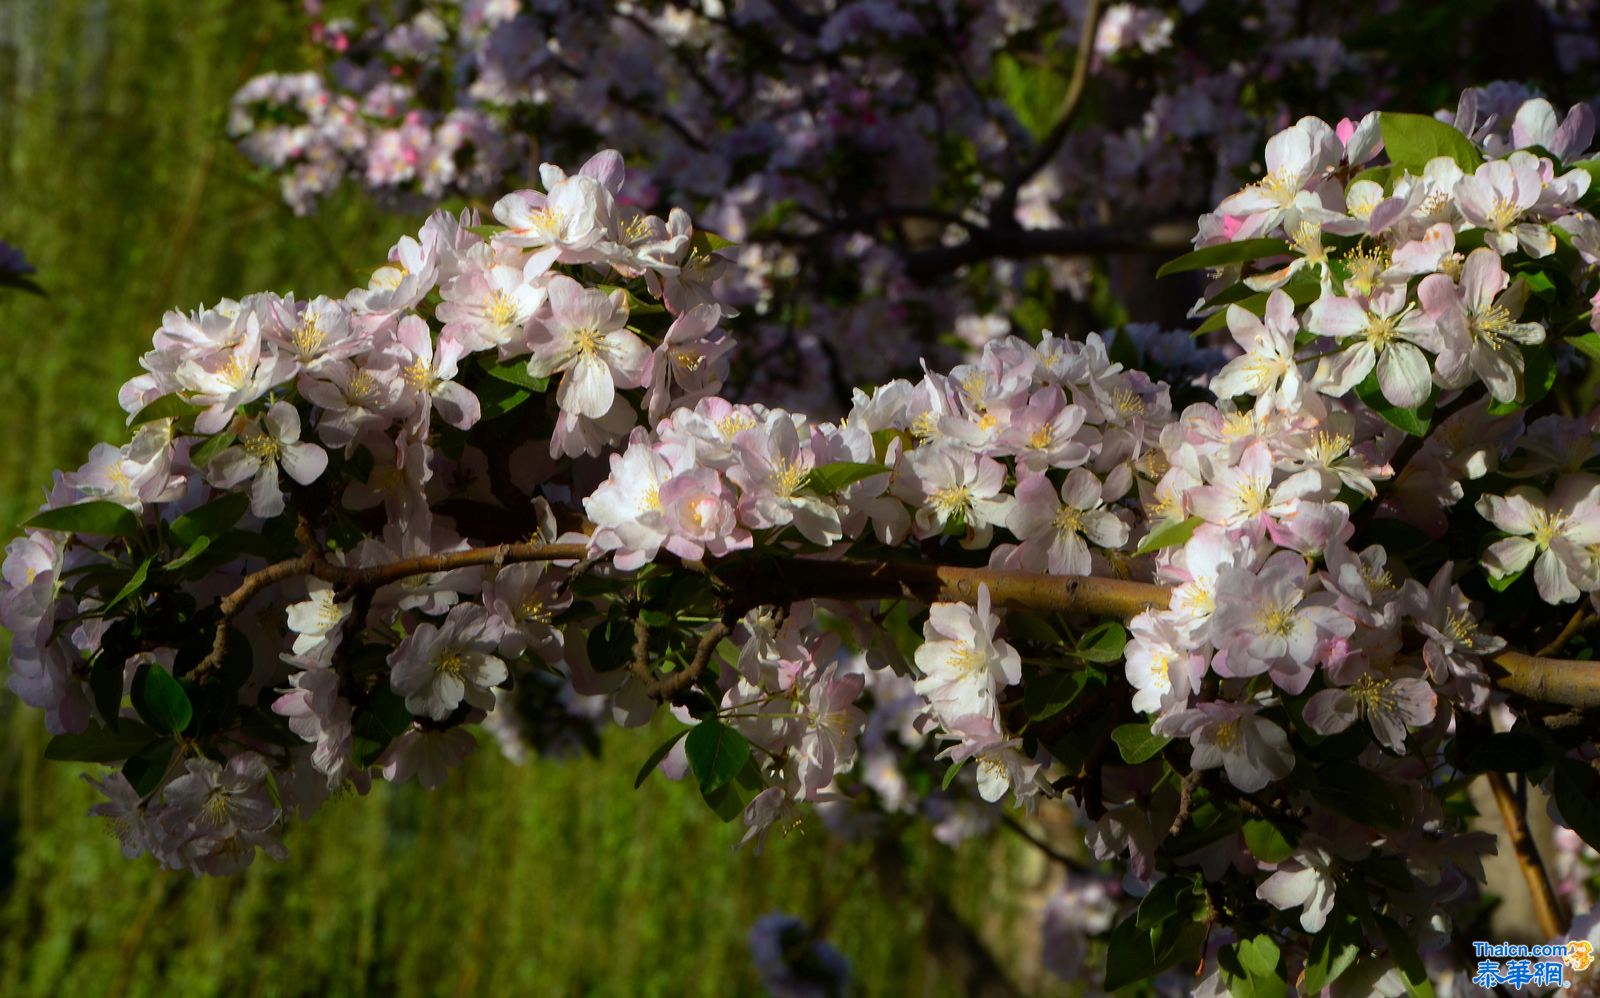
{"points": [[1260, 644], [883, 164]]}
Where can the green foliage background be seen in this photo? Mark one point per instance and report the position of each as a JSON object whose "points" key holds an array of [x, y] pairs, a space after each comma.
{"points": [[553, 877]]}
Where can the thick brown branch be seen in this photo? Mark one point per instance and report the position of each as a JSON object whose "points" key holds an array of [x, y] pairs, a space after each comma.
{"points": [[1552, 921]]}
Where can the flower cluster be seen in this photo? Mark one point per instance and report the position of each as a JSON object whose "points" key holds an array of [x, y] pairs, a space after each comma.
{"points": [[272, 409], [501, 486], [849, 146]]}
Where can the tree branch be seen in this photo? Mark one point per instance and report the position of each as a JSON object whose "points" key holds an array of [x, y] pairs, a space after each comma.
{"points": [[1552, 920], [1019, 243], [1002, 215], [1567, 682]]}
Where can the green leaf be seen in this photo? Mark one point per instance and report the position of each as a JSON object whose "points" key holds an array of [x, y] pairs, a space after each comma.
{"points": [[1168, 535], [1032, 90], [828, 479], [1538, 377], [202, 455], [1103, 643], [1588, 344], [1266, 841], [1168, 896], [1406, 959], [1223, 254], [210, 520], [707, 241], [1577, 793], [172, 406], [1333, 950], [160, 699], [513, 372], [1411, 140], [1250, 968], [1137, 742], [716, 754], [1049, 693], [94, 517], [134, 584], [145, 768], [486, 231], [1501, 583], [1348, 789], [951, 774], [99, 744], [1134, 953], [1259, 956], [655, 758], [1413, 421]]}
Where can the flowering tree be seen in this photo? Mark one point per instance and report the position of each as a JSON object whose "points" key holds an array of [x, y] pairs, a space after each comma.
{"points": [[883, 164], [1257, 630]]}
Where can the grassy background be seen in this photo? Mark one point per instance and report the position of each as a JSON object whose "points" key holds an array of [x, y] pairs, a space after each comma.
{"points": [[551, 877]]}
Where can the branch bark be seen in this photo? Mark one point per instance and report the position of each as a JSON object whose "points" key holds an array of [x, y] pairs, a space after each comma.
{"points": [[1552, 920], [1566, 682]]}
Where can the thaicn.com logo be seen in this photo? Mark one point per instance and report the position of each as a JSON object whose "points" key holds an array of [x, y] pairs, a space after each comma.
{"points": [[1517, 966]]}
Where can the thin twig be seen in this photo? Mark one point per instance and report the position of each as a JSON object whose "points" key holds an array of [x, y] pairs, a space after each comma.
{"points": [[1191, 780], [1077, 866], [1552, 920], [1003, 213], [1579, 617]]}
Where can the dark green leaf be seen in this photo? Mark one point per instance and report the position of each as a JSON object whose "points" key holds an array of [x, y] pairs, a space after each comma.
{"points": [[1051, 692], [145, 768], [160, 699], [166, 407], [1577, 794], [1103, 643], [1411, 140], [134, 584], [1168, 534], [655, 758], [1223, 254], [1266, 841], [828, 479], [1137, 742], [716, 754], [1168, 897], [99, 744], [200, 546], [1406, 959], [1134, 954], [212, 519], [94, 517]]}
